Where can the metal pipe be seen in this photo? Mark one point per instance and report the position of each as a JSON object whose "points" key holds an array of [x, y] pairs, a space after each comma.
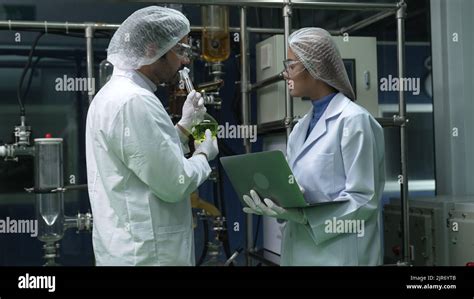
{"points": [[56, 25], [387, 122], [271, 127], [75, 187], [70, 222], [275, 126], [249, 29], [401, 15], [342, 5], [244, 81], [281, 3], [265, 30], [288, 100], [233, 257], [266, 82], [79, 27], [89, 31], [44, 26], [366, 22]]}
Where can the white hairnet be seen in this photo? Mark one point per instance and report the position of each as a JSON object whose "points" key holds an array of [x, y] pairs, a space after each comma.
{"points": [[317, 51], [145, 36]]}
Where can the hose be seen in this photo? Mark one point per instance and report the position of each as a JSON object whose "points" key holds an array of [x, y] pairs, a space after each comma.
{"points": [[25, 70]]}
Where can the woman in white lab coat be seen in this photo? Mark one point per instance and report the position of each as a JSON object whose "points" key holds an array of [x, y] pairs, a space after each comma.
{"points": [[336, 152]]}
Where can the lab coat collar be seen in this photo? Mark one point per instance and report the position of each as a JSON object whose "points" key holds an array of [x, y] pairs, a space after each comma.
{"points": [[322, 103], [136, 77], [335, 107]]}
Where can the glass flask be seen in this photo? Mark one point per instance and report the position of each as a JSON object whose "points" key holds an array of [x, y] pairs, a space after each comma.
{"points": [[215, 256], [215, 33], [198, 131]]}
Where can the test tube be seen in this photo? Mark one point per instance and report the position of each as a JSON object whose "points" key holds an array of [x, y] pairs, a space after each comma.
{"points": [[184, 75]]}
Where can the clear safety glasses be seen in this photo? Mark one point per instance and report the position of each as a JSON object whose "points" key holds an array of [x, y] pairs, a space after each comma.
{"points": [[293, 67], [182, 50]]}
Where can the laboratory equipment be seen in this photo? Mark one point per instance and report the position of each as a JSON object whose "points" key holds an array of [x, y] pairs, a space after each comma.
{"points": [[215, 257], [440, 229], [186, 79], [215, 252], [198, 131], [215, 33], [460, 234], [208, 122], [21, 146], [49, 188]]}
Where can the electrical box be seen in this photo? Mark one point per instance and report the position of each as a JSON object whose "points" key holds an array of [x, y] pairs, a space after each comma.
{"points": [[432, 239], [421, 235], [461, 234]]}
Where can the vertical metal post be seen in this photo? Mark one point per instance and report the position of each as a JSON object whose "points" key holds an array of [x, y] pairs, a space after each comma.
{"points": [[244, 85], [89, 32], [401, 15], [288, 99]]}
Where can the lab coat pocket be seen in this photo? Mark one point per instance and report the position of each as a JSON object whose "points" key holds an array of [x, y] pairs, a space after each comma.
{"points": [[173, 245], [321, 173]]}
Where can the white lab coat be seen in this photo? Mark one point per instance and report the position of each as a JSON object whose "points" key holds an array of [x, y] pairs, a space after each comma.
{"points": [[343, 158], [139, 181]]}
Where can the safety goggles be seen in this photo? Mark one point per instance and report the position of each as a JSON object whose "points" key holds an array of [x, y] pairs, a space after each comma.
{"points": [[182, 50], [291, 68]]}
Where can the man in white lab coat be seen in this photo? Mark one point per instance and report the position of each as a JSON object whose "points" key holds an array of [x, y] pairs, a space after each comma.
{"points": [[336, 152], [139, 180]]}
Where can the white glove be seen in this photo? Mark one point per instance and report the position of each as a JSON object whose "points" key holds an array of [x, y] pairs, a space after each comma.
{"points": [[269, 208], [207, 147], [193, 111]]}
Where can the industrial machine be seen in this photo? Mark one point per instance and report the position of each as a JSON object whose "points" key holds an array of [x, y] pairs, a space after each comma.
{"points": [[48, 188], [440, 228]]}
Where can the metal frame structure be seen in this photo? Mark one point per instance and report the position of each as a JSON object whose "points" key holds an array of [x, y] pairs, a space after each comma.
{"points": [[385, 10]]}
